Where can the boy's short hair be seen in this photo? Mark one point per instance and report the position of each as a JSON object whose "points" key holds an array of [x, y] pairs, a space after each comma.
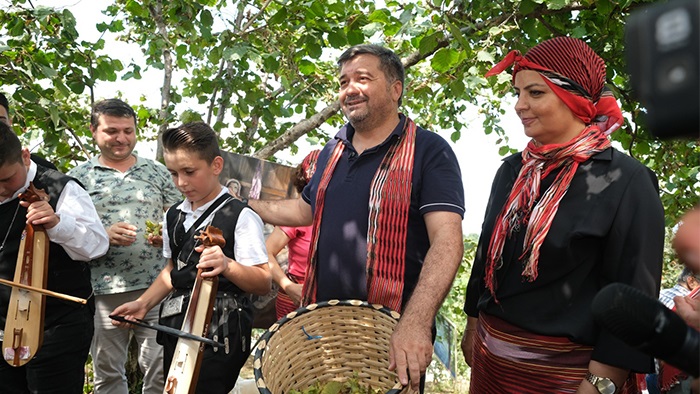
{"points": [[10, 147], [195, 137], [111, 107]]}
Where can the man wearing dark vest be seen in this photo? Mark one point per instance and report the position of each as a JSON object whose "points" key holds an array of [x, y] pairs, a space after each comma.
{"points": [[76, 236], [386, 203]]}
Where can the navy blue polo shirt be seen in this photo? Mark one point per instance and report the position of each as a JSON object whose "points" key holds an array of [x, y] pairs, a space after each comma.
{"points": [[342, 243]]}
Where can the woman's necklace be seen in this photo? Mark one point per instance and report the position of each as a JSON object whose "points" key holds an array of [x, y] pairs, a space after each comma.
{"points": [[2, 246]]}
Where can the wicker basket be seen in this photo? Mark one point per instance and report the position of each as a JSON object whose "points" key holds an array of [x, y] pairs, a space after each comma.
{"points": [[332, 340]]}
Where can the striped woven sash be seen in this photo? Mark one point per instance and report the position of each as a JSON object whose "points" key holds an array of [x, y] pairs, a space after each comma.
{"points": [[508, 359], [389, 202]]}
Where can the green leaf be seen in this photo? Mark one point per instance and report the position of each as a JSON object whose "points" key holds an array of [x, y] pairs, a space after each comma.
{"points": [[206, 18], [371, 28], [556, 4], [313, 48], [528, 6], [604, 7], [355, 37], [134, 7], [484, 56], [76, 87], [332, 387], [579, 32], [429, 43], [55, 118], [379, 16], [457, 34], [457, 88], [306, 67], [337, 39], [28, 95], [444, 59], [279, 17]]}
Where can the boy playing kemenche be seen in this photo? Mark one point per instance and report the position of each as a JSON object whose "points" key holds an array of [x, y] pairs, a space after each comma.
{"points": [[192, 156], [75, 236]]}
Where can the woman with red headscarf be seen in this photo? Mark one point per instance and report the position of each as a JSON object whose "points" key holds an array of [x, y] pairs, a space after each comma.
{"points": [[567, 216], [297, 240]]}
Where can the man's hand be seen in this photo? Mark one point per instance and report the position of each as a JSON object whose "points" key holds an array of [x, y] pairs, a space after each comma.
{"points": [[410, 351], [133, 310], [40, 213], [689, 310], [122, 234]]}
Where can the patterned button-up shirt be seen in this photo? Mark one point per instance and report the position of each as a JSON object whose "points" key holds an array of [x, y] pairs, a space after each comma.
{"points": [[666, 296], [141, 193]]}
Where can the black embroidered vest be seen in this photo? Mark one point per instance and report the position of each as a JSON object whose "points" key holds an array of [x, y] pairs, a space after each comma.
{"points": [[182, 247]]}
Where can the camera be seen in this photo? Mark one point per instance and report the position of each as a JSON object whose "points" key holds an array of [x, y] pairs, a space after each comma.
{"points": [[663, 59]]}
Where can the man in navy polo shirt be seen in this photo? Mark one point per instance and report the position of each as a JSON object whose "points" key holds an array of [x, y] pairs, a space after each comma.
{"points": [[386, 202]]}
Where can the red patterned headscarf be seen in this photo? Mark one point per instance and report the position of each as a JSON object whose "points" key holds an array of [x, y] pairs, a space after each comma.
{"points": [[576, 74]]}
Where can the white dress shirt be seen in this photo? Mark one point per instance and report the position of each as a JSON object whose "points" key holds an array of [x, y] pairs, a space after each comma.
{"points": [[79, 229]]}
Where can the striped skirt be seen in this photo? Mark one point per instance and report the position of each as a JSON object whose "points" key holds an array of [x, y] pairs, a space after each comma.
{"points": [[508, 359]]}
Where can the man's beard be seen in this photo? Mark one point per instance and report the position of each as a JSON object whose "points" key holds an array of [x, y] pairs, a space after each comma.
{"points": [[359, 116]]}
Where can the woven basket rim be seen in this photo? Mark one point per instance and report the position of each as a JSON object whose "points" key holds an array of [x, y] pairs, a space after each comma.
{"points": [[265, 338]]}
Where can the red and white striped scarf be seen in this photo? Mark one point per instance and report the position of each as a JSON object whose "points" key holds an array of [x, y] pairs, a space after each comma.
{"points": [[389, 202], [538, 162]]}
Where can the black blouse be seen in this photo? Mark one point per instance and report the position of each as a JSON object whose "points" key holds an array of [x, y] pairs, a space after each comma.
{"points": [[609, 228]]}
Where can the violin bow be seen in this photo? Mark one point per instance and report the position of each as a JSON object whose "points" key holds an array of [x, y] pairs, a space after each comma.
{"points": [[167, 330], [33, 194], [41, 290]]}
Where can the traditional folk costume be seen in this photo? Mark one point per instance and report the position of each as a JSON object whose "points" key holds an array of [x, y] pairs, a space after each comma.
{"points": [[369, 238], [59, 365], [562, 222], [232, 318]]}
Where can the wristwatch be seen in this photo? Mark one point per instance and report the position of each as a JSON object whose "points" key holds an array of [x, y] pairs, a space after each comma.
{"points": [[603, 385]]}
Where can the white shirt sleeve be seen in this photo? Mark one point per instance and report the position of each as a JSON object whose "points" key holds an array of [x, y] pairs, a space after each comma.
{"points": [[79, 229], [167, 253], [250, 242]]}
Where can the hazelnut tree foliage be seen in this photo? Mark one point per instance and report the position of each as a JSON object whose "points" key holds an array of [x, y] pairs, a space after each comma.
{"points": [[264, 75]]}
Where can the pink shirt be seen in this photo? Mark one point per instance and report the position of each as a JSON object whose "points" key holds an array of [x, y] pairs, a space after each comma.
{"points": [[298, 246]]}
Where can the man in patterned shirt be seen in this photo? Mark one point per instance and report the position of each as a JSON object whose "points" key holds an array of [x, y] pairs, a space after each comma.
{"points": [[687, 282], [127, 190]]}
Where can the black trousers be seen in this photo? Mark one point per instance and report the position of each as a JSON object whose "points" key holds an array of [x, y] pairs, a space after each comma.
{"points": [[59, 365]]}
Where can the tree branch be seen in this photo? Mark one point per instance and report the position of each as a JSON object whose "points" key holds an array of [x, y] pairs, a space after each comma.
{"points": [[303, 127], [256, 16], [297, 131], [157, 14]]}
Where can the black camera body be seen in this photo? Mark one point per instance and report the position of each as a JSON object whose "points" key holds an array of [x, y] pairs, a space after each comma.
{"points": [[663, 59]]}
